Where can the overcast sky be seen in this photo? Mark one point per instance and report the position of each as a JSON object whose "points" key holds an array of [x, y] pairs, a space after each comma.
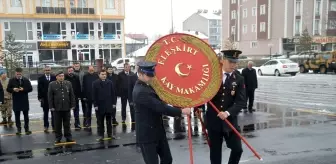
{"points": [[153, 16]]}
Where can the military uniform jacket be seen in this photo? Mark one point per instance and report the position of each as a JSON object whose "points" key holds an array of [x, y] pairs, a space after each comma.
{"points": [[148, 113], [61, 98], [230, 97]]}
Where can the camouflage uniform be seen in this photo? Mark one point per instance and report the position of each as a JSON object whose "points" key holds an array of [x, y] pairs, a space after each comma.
{"points": [[6, 108]]}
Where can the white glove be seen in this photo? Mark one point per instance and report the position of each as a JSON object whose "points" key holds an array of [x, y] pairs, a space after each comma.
{"points": [[96, 108]]}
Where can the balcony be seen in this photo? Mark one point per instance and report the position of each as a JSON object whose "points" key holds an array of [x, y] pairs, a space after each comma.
{"points": [[79, 10], [50, 10]]}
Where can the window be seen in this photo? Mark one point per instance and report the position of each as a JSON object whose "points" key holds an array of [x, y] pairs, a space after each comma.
{"points": [[233, 14], [245, 13], [51, 30], [254, 11], [332, 24], [82, 31], [16, 3], [317, 27], [318, 7], [46, 3], [253, 44], [233, 29], [333, 5], [21, 30], [297, 27], [254, 28], [245, 29], [233, 1], [82, 3], [111, 31], [61, 3], [262, 9], [314, 47], [298, 7], [110, 4], [213, 30], [262, 26]]}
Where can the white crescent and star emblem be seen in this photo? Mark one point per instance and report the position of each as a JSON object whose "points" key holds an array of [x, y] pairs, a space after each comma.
{"points": [[178, 71]]}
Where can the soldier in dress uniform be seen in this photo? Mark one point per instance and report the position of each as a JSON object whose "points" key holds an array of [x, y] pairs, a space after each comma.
{"points": [[61, 100], [150, 132], [230, 99]]}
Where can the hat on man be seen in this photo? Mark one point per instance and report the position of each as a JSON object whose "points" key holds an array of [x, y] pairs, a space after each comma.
{"points": [[59, 73], [232, 55], [147, 68]]}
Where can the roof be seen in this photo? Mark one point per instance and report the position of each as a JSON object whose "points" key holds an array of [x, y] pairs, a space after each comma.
{"points": [[129, 40], [137, 36], [210, 16], [140, 52], [199, 34]]}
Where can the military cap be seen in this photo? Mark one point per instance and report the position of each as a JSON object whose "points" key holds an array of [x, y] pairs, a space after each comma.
{"points": [[147, 68], [232, 55], [60, 72]]}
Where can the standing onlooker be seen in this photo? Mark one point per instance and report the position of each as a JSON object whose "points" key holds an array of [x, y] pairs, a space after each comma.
{"points": [[131, 83], [114, 78], [61, 100], [42, 95], [74, 80], [88, 80], [251, 83], [123, 78], [102, 94], [20, 86], [6, 106], [80, 73]]}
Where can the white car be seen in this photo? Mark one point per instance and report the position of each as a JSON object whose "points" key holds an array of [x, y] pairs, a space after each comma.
{"points": [[278, 67], [119, 63]]}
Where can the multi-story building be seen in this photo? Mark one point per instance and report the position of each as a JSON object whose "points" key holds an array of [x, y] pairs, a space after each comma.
{"points": [[261, 27], [208, 23], [62, 30]]}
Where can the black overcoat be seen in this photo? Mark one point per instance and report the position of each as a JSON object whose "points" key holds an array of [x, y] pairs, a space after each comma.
{"points": [[20, 99], [103, 95]]}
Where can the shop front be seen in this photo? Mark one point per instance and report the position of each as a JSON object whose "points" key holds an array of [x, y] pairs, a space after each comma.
{"points": [[325, 43], [53, 51], [30, 54]]}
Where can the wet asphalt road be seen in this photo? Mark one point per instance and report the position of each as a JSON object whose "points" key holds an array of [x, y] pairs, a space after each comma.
{"points": [[293, 125]]}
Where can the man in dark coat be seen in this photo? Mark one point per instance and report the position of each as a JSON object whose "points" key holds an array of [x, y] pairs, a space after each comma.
{"points": [[150, 132], [62, 100], [114, 78], [131, 83], [20, 86], [230, 99], [251, 82], [75, 82], [122, 85], [102, 94], [42, 95], [88, 80], [80, 74]]}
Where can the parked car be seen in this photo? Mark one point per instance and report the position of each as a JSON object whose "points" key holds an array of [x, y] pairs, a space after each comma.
{"points": [[49, 64], [277, 67], [119, 63]]}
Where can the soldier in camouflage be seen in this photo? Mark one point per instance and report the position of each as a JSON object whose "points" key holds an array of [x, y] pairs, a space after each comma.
{"points": [[6, 107]]}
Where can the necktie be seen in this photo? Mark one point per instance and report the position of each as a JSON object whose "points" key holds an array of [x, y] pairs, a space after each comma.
{"points": [[48, 78], [227, 78]]}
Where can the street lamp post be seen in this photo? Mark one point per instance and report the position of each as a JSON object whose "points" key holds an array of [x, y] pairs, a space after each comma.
{"points": [[172, 16], [270, 48], [25, 41]]}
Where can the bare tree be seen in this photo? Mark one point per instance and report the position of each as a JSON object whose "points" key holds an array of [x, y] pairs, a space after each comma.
{"points": [[229, 44]]}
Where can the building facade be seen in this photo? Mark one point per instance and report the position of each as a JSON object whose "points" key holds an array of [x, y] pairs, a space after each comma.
{"points": [[65, 30], [264, 27], [208, 23]]}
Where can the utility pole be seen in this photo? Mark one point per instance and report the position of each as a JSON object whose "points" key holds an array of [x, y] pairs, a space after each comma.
{"points": [[172, 17], [25, 42]]}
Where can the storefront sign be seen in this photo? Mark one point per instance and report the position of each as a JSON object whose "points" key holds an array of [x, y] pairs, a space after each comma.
{"points": [[82, 36], [324, 40], [54, 45], [30, 46], [52, 37], [111, 37]]}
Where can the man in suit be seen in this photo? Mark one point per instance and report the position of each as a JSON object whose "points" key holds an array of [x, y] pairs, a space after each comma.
{"points": [[102, 94], [230, 99], [75, 82], [150, 132], [42, 95], [80, 74], [88, 80], [61, 100], [251, 82], [123, 87], [19, 86], [114, 78], [131, 83]]}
